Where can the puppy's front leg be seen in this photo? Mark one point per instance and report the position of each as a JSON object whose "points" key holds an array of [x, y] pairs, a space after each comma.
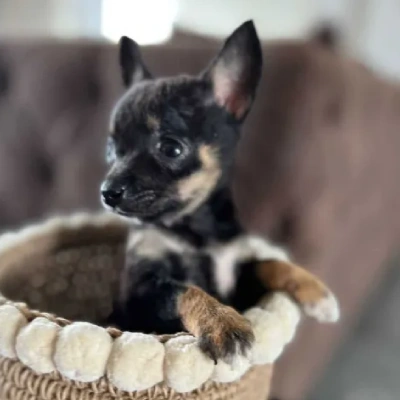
{"points": [[222, 331], [155, 299], [306, 289]]}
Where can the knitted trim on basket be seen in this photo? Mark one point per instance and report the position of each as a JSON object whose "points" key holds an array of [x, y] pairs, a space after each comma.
{"points": [[131, 361]]}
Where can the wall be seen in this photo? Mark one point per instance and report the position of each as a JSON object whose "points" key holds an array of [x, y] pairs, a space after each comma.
{"points": [[370, 29], [282, 18], [43, 18]]}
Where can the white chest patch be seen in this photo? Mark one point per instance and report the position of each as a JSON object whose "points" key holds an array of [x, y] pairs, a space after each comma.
{"points": [[225, 258], [245, 248], [153, 244]]}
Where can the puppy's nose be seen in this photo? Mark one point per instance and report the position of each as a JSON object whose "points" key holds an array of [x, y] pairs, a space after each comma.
{"points": [[112, 197]]}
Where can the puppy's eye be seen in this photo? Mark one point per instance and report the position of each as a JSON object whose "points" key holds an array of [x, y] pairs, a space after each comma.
{"points": [[170, 148]]}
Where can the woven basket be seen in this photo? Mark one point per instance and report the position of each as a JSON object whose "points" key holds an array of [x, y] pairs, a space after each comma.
{"points": [[69, 267]]}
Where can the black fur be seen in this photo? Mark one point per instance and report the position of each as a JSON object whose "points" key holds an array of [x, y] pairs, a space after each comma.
{"points": [[203, 112], [191, 112], [132, 67], [149, 304], [214, 220]]}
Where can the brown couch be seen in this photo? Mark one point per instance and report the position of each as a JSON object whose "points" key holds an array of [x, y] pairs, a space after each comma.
{"points": [[317, 166]]}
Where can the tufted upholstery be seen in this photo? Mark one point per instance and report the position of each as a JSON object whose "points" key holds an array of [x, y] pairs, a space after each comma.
{"points": [[317, 166]]}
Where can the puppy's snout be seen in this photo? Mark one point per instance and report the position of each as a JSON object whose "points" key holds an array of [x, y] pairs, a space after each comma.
{"points": [[112, 197]]}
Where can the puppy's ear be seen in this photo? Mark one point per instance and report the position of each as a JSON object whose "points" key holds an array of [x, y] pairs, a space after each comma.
{"points": [[236, 71], [132, 67]]}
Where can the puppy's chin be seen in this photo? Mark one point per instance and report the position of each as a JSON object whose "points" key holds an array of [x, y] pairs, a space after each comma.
{"points": [[131, 220], [157, 212]]}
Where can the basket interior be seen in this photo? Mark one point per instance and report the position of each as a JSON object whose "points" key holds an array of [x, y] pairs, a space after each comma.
{"points": [[71, 270]]}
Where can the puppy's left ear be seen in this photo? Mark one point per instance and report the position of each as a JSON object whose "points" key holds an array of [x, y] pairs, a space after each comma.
{"points": [[132, 66], [236, 71]]}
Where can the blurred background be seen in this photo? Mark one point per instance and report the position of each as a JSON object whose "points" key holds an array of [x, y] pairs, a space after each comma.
{"points": [[324, 130]]}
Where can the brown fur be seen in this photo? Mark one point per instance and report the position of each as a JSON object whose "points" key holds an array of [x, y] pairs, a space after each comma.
{"points": [[219, 328], [195, 188], [301, 285]]}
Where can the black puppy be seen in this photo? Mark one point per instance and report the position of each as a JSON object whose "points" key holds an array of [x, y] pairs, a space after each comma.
{"points": [[171, 149]]}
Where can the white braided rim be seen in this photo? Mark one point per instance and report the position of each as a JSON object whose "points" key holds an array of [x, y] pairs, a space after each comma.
{"points": [[131, 361]]}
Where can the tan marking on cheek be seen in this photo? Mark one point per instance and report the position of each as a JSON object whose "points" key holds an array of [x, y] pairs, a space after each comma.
{"points": [[153, 123], [198, 186]]}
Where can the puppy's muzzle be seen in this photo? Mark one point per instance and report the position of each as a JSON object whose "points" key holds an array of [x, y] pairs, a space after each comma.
{"points": [[112, 197]]}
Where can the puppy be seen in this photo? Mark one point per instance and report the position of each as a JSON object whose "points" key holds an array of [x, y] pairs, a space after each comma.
{"points": [[190, 265]]}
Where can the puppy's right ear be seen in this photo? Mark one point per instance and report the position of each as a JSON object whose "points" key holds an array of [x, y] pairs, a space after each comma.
{"points": [[130, 60], [236, 71]]}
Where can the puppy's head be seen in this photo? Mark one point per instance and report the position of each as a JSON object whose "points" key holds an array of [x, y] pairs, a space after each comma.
{"points": [[172, 140]]}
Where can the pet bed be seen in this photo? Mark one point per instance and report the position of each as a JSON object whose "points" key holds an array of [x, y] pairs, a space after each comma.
{"points": [[69, 268]]}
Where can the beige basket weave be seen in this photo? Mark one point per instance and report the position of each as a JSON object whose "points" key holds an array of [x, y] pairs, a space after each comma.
{"points": [[70, 268]]}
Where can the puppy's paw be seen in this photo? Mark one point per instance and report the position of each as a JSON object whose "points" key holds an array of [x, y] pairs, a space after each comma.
{"points": [[324, 308], [226, 335], [311, 294], [315, 299]]}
